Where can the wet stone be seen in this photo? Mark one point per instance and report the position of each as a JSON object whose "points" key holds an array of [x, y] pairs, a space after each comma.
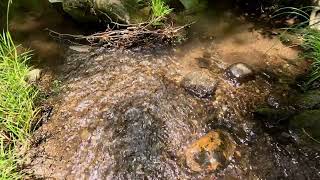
{"points": [[210, 152], [273, 101], [277, 99], [200, 83], [239, 73]]}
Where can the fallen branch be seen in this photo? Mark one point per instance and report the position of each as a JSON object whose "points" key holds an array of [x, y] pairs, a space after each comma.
{"points": [[127, 37]]}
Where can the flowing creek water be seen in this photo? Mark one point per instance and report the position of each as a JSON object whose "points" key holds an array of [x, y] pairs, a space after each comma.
{"points": [[168, 113]]}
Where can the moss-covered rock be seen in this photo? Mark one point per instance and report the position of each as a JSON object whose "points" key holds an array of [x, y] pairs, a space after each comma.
{"points": [[194, 5], [308, 100], [123, 11], [308, 120], [80, 10], [273, 115]]}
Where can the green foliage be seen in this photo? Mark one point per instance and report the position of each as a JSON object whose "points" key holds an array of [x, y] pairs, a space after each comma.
{"points": [[159, 11], [312, 47], [9, 164], [16, 106], [56, 86], [311, 38]]}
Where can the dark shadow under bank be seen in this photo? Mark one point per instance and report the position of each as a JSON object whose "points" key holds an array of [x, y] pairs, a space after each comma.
{"points": [[29, 22], [264, 13]]}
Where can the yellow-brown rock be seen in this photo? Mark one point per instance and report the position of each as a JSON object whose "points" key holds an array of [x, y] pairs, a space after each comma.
{"points": [[210, 152]]}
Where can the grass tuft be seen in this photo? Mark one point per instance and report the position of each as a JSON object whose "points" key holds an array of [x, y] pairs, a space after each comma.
{"points": [[16, 107], [311, 38], [159, 11], [312, 51]]}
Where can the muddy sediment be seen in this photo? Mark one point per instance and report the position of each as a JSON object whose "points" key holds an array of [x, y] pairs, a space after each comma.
{"points": [[123, 114]]}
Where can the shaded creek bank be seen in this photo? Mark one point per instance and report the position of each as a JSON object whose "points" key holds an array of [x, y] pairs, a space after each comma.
{"points": [[176, 113]]}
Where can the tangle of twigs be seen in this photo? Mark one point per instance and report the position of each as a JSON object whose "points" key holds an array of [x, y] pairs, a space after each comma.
{"points": [[126, 37]]}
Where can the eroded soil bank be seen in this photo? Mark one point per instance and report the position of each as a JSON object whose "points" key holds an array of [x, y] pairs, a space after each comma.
{"points": [[175, 113]]}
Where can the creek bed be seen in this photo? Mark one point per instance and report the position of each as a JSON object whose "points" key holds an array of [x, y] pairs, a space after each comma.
{"points": [[183, 112]]}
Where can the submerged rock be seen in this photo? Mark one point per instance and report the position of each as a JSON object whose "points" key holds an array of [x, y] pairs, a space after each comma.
{"points": [[203, 63], [210, 152], [274, 101], [239, 73], [200, 83], [308, 120], [81, 49], [278, 98]]}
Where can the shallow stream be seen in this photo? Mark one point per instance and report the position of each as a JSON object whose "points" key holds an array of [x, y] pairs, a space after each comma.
{"points": [[170, 113]]}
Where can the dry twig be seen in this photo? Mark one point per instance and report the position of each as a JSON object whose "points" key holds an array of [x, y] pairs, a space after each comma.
{"points": [[129, 36]]}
